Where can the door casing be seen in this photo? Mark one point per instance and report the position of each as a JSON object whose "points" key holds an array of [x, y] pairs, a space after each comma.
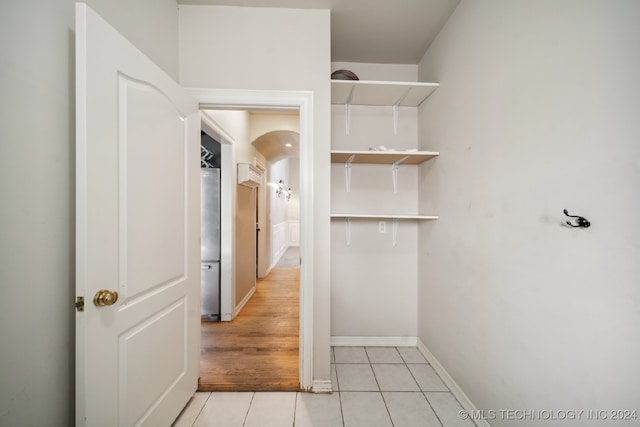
{"points": [[303, 102]]}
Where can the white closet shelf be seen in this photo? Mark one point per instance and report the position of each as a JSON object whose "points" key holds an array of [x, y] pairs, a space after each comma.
{"points": [[383, 157], [382, 216], [370, 92], [395, 219]]}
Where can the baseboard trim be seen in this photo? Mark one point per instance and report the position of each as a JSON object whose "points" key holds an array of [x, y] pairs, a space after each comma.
{"points": [[464, 400], [244, 302], [321, 386], [342, 341], [269, 268]]}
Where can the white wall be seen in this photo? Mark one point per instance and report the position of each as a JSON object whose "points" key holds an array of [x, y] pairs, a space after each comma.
{"points": [[293, 206], [373, 283], [37, 218], [150, 25], [284, 215], [537, 112], [273, 49], [278, 215]]}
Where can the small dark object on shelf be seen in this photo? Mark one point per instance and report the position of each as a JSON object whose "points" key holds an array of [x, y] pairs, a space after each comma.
{"points": [[344, 75], [580, 221]]}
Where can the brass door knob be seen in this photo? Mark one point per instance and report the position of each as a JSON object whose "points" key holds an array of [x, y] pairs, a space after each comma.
{"points": [[105, 297]]}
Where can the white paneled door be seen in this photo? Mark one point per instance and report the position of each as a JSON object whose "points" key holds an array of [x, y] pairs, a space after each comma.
{"points": [[138, 225]]}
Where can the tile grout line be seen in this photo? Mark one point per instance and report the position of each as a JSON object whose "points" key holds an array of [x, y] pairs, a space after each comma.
{"points": [[432, 408], [201, 409], [295, 408], [335, 368], [341, 411], [422, 391], [379, 388], [246, 415], [372, 371], [419, 388], [333, 353]]}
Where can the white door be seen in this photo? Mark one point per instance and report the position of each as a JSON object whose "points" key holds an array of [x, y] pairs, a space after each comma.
{"points": [[138, 225]]}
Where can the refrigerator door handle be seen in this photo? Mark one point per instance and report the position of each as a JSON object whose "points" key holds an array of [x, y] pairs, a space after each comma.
{"points": [[206, 267]]}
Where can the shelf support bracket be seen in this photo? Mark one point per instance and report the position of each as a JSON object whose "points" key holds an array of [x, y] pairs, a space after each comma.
{"points": [[394, 230], [347, 172], [396, 107], [347, 224], [347, 110], [394, 172]]}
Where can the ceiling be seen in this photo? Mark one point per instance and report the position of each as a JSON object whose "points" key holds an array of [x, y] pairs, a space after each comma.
{"points": [[374, 31], [278, 145]]}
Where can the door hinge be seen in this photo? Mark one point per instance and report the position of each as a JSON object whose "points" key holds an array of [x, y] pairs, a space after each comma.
{"points": [[79, 304]]}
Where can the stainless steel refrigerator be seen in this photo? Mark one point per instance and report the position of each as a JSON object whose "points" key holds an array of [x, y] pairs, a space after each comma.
{"points": [[210, 281]]}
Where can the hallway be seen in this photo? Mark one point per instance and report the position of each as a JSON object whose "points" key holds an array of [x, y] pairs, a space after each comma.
{"points": [[258, 350]]}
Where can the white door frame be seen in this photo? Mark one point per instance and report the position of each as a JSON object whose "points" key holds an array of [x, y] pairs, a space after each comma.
{"points": [[303, 102]]}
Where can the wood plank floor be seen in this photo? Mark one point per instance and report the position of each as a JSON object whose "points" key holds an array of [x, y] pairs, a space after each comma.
{"points": [[258, 350]]}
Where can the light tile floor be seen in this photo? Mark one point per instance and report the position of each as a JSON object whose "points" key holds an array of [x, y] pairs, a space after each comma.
{"points": [[373, 386]]}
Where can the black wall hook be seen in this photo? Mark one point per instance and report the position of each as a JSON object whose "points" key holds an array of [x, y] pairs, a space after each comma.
{"points": [[580, 221]]}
